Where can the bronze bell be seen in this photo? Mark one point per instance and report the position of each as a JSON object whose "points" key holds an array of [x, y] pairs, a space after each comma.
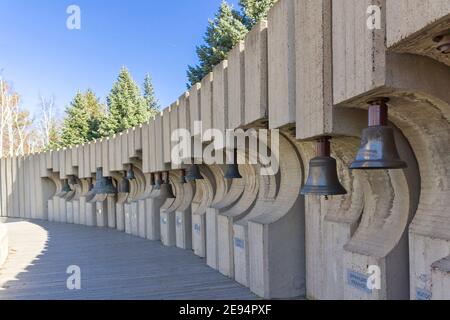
{"points": [[158, 181], [166, 182], [183, 176], [322, 178], [66, 187], [130, 173], [73, 180], [103, 185], [194, 173], [152, 179], [124, 185], [233, 169], [378, 149]]}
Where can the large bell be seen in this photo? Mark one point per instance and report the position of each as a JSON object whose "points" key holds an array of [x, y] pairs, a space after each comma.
{"points": [[124, 186], [152, 179], [194, 173], [73, 180], [170, 193], [103, 185], [322, 178], [130, 173], [183, 176], [233, 169], [158, 181], [378, 149], [66, 187]]}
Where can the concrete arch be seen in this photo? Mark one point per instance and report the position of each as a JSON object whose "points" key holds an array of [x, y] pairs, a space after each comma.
{"points": [[204, 194], [420, 108]]}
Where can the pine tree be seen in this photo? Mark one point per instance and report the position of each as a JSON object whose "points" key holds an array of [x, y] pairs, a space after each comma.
{"points": [[97, 115], [75, 128], [83, 119], [255, 10], [222, 34], [127, 107], [149, 96]]}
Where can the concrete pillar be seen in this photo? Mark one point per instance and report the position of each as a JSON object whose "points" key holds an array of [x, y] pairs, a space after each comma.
{"points": [[440, 278], [153, 205], [120, 211], [221, 200], [127, 210], [168, 212], [111, 208], [183, 218], [226, 219]]}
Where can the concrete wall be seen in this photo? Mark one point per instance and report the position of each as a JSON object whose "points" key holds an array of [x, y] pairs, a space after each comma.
{"points": [[308, 70]]}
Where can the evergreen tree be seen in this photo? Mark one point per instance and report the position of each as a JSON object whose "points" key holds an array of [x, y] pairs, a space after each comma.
{"points": [[75, 128], [83, 119], [222, 34], [97, 115], [127, 107], [149, 96], [255, 10]]}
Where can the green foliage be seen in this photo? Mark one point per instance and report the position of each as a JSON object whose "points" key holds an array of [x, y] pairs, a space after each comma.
{"points": [[255, 10], [127, 107], [222, 34], [83, 120], [149, 96]]}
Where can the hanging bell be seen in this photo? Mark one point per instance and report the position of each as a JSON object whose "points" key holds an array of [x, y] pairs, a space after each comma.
{"points": [[66, 187], [378, 149], [130, 173], [103, 185], [183, 176], [194, 173], [233, 169], [158, 181], [322, 178], [152, 179], [124, 186], [90, 188], [73, 180], [168, 186]]}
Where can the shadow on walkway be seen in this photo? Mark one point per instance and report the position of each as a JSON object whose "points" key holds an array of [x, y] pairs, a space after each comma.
{"points": [[113, 265]]}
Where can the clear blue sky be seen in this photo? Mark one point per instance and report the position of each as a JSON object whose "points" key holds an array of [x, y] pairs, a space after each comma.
{"points": [[39, 55]]}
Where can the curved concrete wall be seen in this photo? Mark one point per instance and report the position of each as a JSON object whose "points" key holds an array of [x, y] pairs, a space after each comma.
{"points": [[308, 71]]}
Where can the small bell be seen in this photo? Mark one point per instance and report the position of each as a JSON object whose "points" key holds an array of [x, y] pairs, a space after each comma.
{"points": [[130, 173], [124, 185], [169, 190], [66, 187], [152, 179], [90, 188], [378, 149], [73, 180], [233, 169], [194, 173], [158, 181], [322, 178], [183, 176], [103, 185]]}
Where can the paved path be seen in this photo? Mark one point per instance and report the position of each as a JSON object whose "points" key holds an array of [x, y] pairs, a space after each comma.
{"points": [[113, 265]]}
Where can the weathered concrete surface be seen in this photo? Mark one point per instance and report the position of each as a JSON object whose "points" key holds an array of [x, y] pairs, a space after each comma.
{"points": [[42, 251], [309, 70]]}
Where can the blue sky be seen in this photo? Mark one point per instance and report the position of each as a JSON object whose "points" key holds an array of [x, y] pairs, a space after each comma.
{"points": [[39, 55]]}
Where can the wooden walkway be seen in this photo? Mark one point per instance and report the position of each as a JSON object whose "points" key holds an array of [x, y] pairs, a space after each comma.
{"points": [[113, 265]]}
